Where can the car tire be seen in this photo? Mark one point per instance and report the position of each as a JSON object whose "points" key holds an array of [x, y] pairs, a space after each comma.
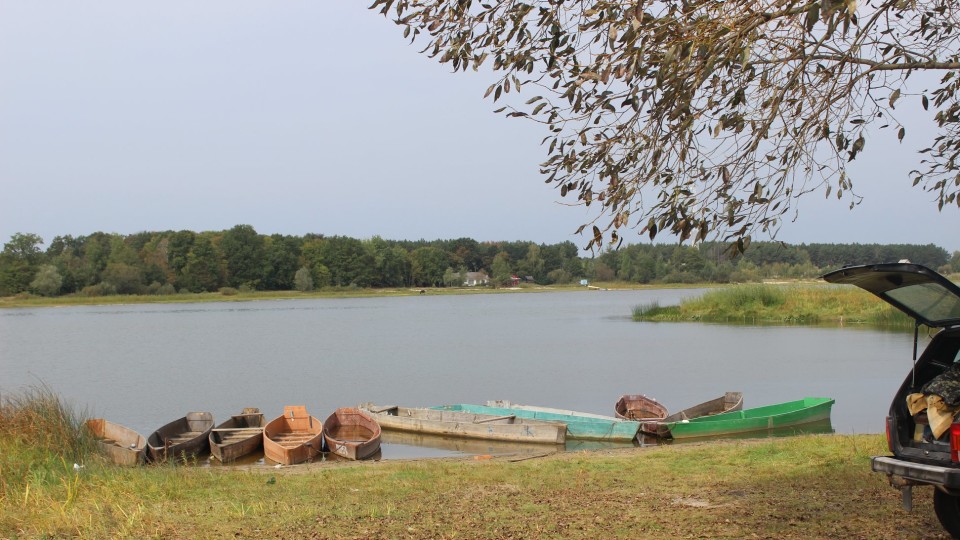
{"points": [[947, 508]]}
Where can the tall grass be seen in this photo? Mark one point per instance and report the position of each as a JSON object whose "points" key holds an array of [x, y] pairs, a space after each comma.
{"points": [[780, 304], [654, 311], [41, 437]]}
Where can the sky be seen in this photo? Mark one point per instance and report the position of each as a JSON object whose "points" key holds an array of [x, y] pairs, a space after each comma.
{"points": [[301, 117]]}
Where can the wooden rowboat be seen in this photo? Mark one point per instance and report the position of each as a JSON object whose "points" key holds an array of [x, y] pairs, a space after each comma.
{"points": [[731, 401], [351, 433], [238, 436], [183, 438], [470, 425], [580, 425], [294, 437], [639, 407], [121, 444], [780, 415]]}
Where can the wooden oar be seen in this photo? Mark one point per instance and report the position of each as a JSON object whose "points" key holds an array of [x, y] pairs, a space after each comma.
{"points": [[383, 408], [494, 419]]}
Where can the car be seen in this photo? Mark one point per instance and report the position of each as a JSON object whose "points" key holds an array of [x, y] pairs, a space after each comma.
{"points": [[924, 443]]}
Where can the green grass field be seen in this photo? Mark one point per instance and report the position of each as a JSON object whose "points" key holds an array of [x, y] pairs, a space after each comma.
{"points": [[810, 486]]}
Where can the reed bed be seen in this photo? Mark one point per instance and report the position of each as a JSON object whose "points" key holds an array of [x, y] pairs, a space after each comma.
{"points": [[42, 444], [37, 417], [792, 304]]}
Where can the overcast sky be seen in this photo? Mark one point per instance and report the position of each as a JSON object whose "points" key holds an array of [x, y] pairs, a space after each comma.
{"points": [[299, 117]]}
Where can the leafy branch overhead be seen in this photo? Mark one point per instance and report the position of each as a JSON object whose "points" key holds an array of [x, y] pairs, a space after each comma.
{"points": [[703, 117]]}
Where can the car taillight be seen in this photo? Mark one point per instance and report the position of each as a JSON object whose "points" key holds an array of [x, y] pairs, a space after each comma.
{"points": [[955, 442], [889, 429]]}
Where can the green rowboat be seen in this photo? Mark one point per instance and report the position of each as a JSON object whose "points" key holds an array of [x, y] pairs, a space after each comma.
{"points": [[780, 415], [579, 425]]}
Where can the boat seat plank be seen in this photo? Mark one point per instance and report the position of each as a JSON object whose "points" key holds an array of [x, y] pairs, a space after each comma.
{"points": [[289, 444], [228, 440], [295, 436], [292, 441], [181, 437]]}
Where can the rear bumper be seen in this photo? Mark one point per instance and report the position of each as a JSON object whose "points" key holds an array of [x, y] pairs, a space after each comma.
{"points": [[948, 477]]}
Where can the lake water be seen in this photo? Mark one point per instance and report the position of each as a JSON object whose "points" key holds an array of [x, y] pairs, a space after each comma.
{"points": [[144, 365]]}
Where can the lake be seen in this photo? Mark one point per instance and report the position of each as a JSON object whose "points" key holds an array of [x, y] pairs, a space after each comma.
{"points": [[144, 365]]}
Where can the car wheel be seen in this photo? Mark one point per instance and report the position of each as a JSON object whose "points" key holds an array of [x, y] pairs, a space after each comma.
{"points": [[947, 508]]}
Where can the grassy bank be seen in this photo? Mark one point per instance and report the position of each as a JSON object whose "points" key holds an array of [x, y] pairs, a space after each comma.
{"points": [[811, 304], [816, 486], [233, 295], [24, 300]]}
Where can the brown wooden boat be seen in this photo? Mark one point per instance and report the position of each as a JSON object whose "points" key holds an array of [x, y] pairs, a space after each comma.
{"points": [[121, 444], [351, 433], [639, 407], [238, 436], [294, 437], [183, 438], [730, 401]]}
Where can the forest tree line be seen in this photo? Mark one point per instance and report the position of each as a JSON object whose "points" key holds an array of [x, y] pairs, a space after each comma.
{"points": [[171, 262]]}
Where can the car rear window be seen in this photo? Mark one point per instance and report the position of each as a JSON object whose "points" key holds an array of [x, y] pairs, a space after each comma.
{"points": [[929, 300]]}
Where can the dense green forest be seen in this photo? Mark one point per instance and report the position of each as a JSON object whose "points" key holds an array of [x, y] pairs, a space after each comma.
{"points": [[173, 262]]}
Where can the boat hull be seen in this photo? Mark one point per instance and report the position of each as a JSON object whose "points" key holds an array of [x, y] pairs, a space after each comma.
{"points": [[729, 402], [121, 444], [293, 438], [242, 434], [579, 425], [780, 415], [352, 434], [639, 407], [183, 438], [469, 425]]}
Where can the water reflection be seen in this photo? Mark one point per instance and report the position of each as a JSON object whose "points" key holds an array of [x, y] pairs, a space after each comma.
{"points": [[399, 444]]}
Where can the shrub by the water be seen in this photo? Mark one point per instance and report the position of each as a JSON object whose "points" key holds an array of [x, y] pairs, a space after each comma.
{"points": [[779, 304]]}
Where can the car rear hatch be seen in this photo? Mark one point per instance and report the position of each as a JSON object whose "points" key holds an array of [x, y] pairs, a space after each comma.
{"points": [[933, 301], [921, 293]]}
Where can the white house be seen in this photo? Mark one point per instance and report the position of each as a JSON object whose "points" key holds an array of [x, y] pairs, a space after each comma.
{"points": [[476, 278]]}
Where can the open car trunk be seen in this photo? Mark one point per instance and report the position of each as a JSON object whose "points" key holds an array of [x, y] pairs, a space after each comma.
{"points": [[933, 301]]}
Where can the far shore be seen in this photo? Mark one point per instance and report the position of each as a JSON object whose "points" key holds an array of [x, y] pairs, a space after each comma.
{"points": [[29, 301]]}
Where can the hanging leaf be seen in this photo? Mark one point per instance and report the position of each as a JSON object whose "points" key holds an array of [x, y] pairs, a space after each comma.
{"points": [[894, 97], [813, 15]]}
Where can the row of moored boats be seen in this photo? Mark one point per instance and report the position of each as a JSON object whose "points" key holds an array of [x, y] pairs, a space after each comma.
{"points": [[354, 432]]}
